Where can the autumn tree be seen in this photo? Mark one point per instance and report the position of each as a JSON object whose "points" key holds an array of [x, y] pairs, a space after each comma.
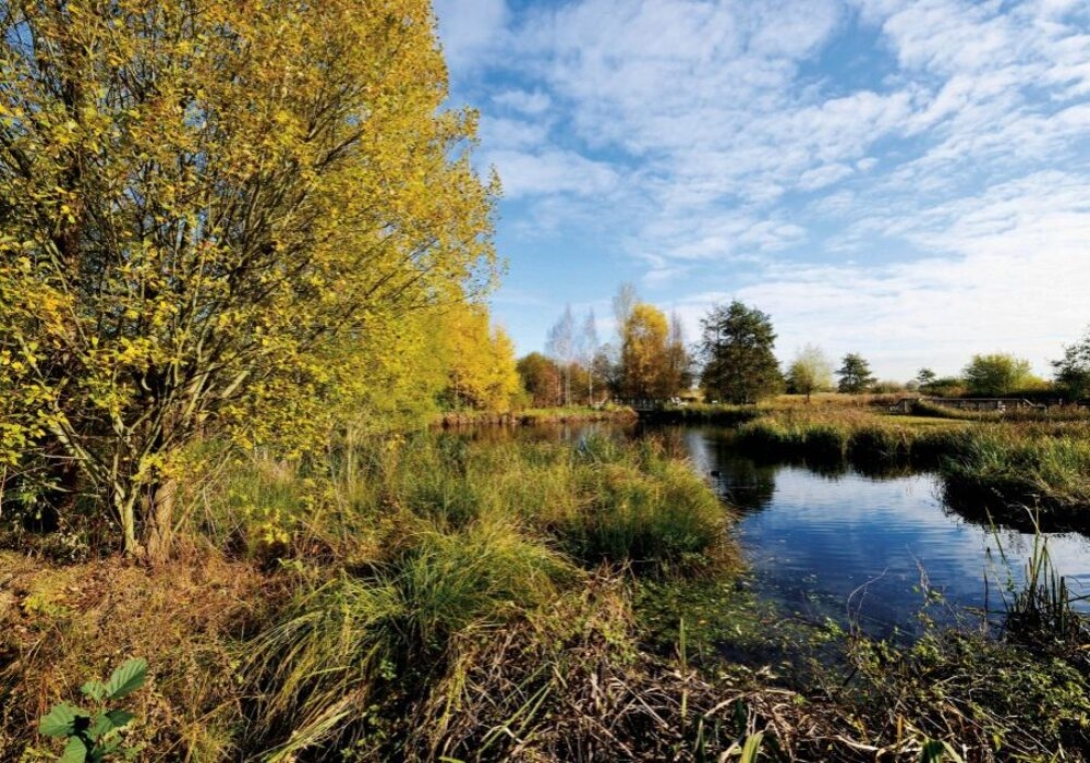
{"points": [[646, 371], [855, 374], [996, 374], [809, 372], [478, 359], [624, 301], [737, 343], [561, 346], [588, 347], [678, 358], [214, 217], [540, 379], [1073, 369]]}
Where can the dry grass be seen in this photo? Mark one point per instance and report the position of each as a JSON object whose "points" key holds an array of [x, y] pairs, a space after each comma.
{"points": [[66, 624]]}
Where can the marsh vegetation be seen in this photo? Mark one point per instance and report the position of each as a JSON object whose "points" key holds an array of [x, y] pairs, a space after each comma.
{"points": [[443, 595]]}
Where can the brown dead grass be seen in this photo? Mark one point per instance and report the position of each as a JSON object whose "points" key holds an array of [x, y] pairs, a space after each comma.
{"points": [[63, 625]]}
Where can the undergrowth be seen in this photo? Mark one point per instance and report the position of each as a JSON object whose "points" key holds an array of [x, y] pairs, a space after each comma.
{"points": [[429, 597]]}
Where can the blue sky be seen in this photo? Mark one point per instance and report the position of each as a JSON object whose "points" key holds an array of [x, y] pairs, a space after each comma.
{"points": [[907, 179]]}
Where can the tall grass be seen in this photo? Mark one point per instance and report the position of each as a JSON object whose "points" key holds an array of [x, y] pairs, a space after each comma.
{"points": [[441, 542], [1016, 465], [361, 639], [1041, 613]]}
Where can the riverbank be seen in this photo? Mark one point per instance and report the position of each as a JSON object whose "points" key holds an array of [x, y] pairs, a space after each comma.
{"points": [[427, 597], [996, 466], [534, 417], [341, 608]]}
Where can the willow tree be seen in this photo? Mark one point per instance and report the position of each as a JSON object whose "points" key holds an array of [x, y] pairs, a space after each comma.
{"points": [[213, 216]]}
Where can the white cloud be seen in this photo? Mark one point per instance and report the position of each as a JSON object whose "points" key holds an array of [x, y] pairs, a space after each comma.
{"points": [[470, 29], [551, 171], [498, 133], [713, 135], [531, 103]]}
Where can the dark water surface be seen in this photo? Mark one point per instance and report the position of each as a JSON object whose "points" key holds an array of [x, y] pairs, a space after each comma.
{"points": [[865, 549], [841, 545]]}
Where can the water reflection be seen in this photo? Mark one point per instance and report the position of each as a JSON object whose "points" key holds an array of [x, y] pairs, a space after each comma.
{"points": [[867, 549], [830, 541]]}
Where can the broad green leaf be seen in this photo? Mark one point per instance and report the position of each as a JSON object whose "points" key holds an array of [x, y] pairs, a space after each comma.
{"points": [[120, 718], [74, 752], [127, 678], [95, 690], [61, 721], [100, 726]]}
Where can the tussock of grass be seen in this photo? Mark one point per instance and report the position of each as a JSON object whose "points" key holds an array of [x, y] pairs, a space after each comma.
{"points": [[1013, 466], [476, 538], [666, 519], [361, 639]]}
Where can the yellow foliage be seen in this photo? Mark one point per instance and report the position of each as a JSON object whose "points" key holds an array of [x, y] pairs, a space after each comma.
{"points": [[479, 360], [645, 360], [221, 216]]}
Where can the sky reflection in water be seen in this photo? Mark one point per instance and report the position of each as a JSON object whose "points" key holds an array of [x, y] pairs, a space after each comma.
{"points": [[850, 546]]}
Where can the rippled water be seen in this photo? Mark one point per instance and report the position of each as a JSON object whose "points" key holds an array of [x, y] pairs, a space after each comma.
{"points": [[852, 547]]}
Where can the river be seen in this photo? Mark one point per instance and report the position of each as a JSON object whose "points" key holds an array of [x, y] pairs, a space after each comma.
{"points": [[870, 551]]}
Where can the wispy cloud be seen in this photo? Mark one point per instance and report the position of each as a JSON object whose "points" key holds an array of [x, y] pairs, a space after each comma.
{"points": [[892, 176]]}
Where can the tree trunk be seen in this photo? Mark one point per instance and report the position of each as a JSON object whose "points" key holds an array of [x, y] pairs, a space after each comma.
{"points": [[159, 520], [124, 504]]}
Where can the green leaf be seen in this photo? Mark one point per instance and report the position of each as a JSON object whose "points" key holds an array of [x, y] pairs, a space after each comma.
{"points": [[95, 690], [101, 725], [127, 679], [60, 721], [74, 752], [119, 718]]}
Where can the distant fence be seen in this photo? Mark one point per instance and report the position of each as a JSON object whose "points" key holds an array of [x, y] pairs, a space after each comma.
{"points": [[980, 404], [644, 405]]}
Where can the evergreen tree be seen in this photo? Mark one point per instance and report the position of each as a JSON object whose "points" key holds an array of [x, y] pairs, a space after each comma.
{"points": [[737, 347], [855, 375], [925, 378], [1073, 370]]}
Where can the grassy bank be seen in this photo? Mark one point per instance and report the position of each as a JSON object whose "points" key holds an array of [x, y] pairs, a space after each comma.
{"points": [[430, 598], [999, 466], [348, 606]]}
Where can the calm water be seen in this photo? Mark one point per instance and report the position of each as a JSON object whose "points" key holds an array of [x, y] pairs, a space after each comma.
{"points": [[851, 547]]}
